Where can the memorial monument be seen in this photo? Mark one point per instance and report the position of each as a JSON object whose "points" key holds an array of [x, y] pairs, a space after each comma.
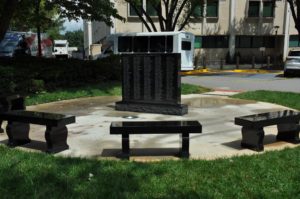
{"points": [[151, 83]]}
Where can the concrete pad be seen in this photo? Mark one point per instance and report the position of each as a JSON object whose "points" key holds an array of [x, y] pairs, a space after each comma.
{"points": [[89, 136]]}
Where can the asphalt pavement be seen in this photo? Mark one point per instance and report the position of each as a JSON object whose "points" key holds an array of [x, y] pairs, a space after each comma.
{"points": [[245, 82]]}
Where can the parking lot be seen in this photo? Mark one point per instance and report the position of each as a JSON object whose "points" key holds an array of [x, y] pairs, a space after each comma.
{"points": [[245, 81]]}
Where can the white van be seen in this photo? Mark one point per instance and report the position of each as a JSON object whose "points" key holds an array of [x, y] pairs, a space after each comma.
{"points": [[157, 42], [61, 49]]}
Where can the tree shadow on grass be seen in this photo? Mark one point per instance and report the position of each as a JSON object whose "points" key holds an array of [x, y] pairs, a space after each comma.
{"points": [[41, 176]]}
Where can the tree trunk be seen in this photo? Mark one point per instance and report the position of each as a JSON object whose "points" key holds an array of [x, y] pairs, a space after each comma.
{"points": [[38, 27], [295, 10], [8, 10]]}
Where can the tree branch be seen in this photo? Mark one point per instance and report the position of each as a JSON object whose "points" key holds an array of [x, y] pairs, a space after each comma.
{"points": [[140, 16], [178, 14]]}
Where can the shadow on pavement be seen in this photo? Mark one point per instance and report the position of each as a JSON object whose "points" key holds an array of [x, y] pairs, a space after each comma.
{"points": [[142, 152], [269, 139]]}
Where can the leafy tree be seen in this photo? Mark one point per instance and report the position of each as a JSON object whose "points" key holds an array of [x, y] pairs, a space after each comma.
{"points": [[25, 18], [171, 14], [99, 10], [54, 32], [75, 38]]}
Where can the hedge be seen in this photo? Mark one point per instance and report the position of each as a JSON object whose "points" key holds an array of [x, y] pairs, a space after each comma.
{"points": [[30, 75]]}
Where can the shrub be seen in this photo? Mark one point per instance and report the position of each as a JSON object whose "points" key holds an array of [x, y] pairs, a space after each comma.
{"points": [[31, 74], [7, 80]]}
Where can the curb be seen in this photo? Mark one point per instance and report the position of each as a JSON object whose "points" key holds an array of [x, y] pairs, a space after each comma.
{"points": [[214, 71]]}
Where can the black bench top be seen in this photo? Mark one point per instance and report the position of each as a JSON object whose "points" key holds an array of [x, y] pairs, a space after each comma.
{"points": [[42, 118], [268, 119], [155, 127]]}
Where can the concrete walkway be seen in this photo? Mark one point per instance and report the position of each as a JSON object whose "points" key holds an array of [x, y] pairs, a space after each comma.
{"points": [[90, 137]]}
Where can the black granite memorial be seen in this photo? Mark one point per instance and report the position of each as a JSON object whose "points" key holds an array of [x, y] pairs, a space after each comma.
{"points": [[287, 122], [154, 127], [56, 131], [11, 102], [152, 84]]}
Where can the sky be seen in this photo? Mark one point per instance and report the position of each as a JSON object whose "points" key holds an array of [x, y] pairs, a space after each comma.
{"points": [[73, 25]]}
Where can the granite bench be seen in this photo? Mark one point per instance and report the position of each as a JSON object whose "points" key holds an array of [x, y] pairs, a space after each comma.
{"points": [[10, 102], [56, 131], [287, 122], [155, 127]]}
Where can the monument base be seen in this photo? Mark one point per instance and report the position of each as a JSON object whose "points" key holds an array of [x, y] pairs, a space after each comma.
{"points": [[167, 109]]}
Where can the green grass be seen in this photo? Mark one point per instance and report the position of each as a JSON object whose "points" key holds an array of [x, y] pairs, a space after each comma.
{"points": [[101, 89], [288, 99], [33, 175], [192, 89]]}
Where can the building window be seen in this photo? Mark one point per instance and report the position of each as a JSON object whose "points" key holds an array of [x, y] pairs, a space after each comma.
{"points": [[198, 9], [294, 41], [215, 42], [186, 45], [125, 44], [243, 42], [269, 42], [212, 9], [255, 41], [268, 9], [150, 9], [132, 12], [157, 44], [198, 42], [169, 46], [253, 10], [140, 44]]}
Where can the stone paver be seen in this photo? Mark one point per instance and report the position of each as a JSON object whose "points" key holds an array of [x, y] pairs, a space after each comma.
{"points": [[89, 136]]}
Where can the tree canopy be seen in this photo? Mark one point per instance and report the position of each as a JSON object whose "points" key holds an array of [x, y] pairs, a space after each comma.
{"points": [[25, 19], [74, 38], [99, 10]]}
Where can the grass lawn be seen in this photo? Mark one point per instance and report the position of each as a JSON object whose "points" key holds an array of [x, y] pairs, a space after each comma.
{"points": [[288, 99], [101, 89], [35, 175]]}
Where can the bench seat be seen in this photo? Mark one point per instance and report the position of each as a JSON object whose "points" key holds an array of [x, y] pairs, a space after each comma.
{"points": [[287, 122], [155, 127], [56, 131]]}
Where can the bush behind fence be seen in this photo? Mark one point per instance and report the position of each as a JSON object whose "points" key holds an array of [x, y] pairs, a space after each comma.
{"points": [[30, 75]]}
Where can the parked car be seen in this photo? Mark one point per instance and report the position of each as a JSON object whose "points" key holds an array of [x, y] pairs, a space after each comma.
{"points": [[292, 63], [7, 49]]}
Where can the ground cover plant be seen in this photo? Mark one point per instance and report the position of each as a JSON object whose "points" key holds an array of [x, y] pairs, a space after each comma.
{"points": [[288, 99], [92, 90], [35, 175]]}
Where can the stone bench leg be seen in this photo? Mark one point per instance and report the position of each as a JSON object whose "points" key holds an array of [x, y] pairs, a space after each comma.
{"points": [[185, 148], [288, 132], [18, 133], [56, 138], [125, 146], [253, 138]]}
